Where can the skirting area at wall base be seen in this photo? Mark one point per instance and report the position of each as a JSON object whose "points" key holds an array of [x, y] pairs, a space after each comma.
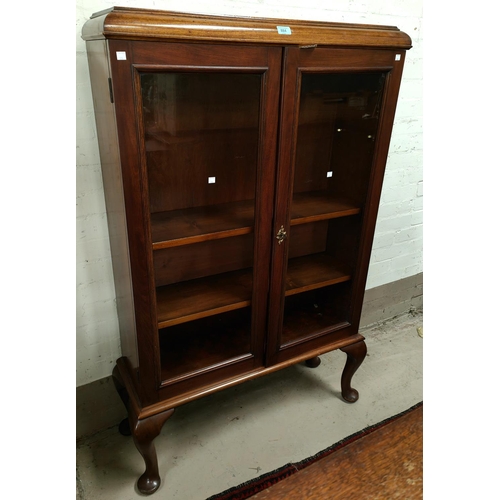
{"points": [[99, 407], [392, 299]]}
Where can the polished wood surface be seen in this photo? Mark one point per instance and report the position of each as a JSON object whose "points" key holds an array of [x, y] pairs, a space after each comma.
{"points": [[193, 225], [194, 299], [210, 222], [109, 153], [319, 205], [190, 300], [191, 390], [207, 258], [128, 23], [311, 272], [355, 355], [143, 431], [385, 464], [313, 362]]}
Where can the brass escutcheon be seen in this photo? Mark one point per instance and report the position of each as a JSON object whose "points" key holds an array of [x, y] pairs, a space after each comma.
{"points": [[281, 235]]}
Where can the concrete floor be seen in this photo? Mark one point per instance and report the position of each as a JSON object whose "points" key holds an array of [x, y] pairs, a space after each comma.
{"points": [[241, 433]]}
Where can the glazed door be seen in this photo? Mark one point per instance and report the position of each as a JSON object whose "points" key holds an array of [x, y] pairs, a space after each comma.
{"points": [[207, 148], [329, 180]]}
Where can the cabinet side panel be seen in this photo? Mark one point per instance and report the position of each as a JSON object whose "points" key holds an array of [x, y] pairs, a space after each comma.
{"points": [[113, 192]]}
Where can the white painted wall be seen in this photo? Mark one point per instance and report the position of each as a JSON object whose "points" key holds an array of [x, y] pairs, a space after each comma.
{"points": [[397, 250]]}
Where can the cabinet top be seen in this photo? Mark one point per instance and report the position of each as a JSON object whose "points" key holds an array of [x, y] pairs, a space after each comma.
{"points": [[143, 24]]}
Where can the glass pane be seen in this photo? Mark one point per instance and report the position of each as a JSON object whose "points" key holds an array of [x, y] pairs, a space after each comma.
{"points": [[201, 140], [338, 122], [201, 133], [190, 347]]}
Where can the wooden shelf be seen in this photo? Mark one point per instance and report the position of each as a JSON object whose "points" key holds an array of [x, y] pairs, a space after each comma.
{"points": [[199, 298], [319, 205], [313, 271], [191, 300], [193, 225]]}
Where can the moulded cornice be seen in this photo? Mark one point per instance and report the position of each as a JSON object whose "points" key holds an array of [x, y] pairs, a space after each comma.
{"points": [[141, 24]]}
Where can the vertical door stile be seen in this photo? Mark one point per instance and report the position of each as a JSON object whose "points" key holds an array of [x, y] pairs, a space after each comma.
{"points": [[285, 161], [265, 187], [121, 57], [144, 182]]}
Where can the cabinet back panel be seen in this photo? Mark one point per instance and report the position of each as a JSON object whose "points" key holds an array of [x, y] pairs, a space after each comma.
{"points": [[343, 241], [314, 152], [178, 175], [189, 262], [306, 239]]}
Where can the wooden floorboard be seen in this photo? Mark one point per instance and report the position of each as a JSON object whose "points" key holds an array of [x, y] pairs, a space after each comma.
{"points": [[386, 464]]}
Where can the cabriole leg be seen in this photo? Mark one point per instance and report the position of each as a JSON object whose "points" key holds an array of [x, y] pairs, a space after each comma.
{"points": [[313, 362], [124, 426], [144, 432], [355, 355]]}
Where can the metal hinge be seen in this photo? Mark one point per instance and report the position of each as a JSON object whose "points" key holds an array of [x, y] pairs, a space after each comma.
{"points": [[110, 90]]}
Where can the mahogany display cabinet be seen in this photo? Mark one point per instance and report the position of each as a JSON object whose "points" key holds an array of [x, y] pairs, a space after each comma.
{"points": [[242, 162]]}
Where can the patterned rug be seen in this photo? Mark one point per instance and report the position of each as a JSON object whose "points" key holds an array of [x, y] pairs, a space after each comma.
{"points": [[250, 488]]}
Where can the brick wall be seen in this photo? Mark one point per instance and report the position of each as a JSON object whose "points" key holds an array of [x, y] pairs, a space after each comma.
{"points": [[397, 251]]}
